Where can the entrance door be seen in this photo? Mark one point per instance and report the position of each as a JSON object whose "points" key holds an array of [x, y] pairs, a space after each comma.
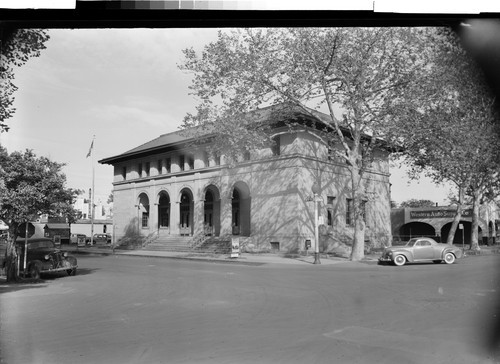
{"points": [[185, 229], [185, 223], [208, 222], [164, 213], [236, 212]]}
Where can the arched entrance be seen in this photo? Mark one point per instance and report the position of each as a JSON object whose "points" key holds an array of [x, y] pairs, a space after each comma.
{"points": [[143, 211], [240, 209], [164, 212], [186, 213], [416, 229], [211, 212], [462, 236]]}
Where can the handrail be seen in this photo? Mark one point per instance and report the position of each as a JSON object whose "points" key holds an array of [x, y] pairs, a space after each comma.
{"points": [[150, 238]]}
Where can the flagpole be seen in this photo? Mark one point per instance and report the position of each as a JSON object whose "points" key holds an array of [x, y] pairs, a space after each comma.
{"points": [[92, 208]]}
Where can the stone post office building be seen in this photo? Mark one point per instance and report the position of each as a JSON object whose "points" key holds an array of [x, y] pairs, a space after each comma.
{"points": [[169, 190]]}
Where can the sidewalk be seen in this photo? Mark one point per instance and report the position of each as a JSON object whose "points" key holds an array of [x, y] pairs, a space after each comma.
{"points": [[244, 258]]}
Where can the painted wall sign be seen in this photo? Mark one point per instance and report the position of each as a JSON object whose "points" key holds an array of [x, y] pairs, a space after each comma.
{"points": [[437, 214]]}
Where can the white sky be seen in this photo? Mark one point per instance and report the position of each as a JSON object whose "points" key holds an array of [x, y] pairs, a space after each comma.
{"points": [[124, 87]]}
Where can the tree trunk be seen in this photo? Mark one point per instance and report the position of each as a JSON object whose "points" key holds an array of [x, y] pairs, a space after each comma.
{"points": [[358, 246], [11, 271], [474, 233], [456, 219]]}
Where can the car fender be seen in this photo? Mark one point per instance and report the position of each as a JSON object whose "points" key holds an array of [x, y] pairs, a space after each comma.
{"points": [[408, 255], [451, 250], [72, 260], [35, 262]]}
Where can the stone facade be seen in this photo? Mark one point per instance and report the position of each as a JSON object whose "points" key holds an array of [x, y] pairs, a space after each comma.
{"points": [[165, 188]]}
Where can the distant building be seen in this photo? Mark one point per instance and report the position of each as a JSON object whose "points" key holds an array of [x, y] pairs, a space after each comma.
{"points": [[436, 222], [84, 226], [166, 188], [103, 211]]}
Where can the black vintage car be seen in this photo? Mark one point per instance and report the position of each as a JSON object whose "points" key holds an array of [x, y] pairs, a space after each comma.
{"points": [[44, 257]]}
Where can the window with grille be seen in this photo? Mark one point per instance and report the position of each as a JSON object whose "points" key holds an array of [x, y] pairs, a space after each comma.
{"points": [[276, 148], [191, 162], [168, 164], [159, 166], [145, 219], [329, 209]]}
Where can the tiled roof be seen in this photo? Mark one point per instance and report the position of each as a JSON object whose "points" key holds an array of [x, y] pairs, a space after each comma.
{"points": [[57, 226], [180, 136]]}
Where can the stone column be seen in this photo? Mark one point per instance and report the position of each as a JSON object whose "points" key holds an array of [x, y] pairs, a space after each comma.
{"points": [[198, 216], [226, 216]]}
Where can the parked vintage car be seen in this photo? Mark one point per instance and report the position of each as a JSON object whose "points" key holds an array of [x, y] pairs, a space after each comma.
{"points": [[100, 238], [44, 257], [420, 250]]}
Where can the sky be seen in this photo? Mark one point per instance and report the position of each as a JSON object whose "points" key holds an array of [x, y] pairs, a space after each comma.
{"points": [[124, 87]]}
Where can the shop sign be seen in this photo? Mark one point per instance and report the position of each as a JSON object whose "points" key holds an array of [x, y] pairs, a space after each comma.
{"points": [[437, 214]]}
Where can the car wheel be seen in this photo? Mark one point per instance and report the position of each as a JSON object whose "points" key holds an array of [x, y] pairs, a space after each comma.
{"points": [[35, 271], [399, 260], [449, 258], [71, 272], [436, 261]]}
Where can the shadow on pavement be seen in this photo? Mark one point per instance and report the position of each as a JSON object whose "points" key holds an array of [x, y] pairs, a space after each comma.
{"points": [[14, 287]]}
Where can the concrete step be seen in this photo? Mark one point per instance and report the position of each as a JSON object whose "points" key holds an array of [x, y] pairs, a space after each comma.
{"points": [[183, 244], [170, 243]]}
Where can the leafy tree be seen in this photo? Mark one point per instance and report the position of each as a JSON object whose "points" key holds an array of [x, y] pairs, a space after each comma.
{"points": [[359, 76], [110, 198], [30, 186], [417, 203], [453, 136], [17, 46]]}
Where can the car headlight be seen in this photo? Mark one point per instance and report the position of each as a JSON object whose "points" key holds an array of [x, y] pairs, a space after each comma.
{"points": [[65, 254], [47, 257]]}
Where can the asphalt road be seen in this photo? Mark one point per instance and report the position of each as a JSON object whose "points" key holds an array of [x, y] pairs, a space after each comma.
{"points": [[151, 310]]}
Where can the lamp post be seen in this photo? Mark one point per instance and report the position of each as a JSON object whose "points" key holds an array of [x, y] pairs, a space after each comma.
{"points": [[316, 190]]}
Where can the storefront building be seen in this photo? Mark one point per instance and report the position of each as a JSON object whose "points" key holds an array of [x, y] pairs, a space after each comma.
{"points": [[436, 222]]}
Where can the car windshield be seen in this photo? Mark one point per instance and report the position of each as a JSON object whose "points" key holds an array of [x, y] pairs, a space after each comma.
{"points": [[411, 242]]}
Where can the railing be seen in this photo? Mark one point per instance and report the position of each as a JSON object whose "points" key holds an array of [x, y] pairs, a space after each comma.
{"points": [[198, 240], [150, 238]]}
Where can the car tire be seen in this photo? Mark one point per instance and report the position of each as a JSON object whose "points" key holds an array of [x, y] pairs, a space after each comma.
{"points": [[436, 261], [449, 258], [71, 272], [34, 271], [399, 260]]}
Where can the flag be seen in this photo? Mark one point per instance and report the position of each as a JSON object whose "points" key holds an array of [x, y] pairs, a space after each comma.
{"points": [[90, 149]]}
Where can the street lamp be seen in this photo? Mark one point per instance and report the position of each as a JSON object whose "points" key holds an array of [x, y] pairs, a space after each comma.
{"points": [[316, 190]]}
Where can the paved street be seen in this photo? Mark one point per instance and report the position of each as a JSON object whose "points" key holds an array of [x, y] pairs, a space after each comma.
{"points": [[122, 309]]}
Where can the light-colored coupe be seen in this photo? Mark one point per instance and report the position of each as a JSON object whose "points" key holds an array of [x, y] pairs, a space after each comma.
{"points": [[421, 250]]}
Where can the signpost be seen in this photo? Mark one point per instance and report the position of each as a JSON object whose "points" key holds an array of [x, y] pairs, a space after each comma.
{"points": [[235, 247], [461, 227]]}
